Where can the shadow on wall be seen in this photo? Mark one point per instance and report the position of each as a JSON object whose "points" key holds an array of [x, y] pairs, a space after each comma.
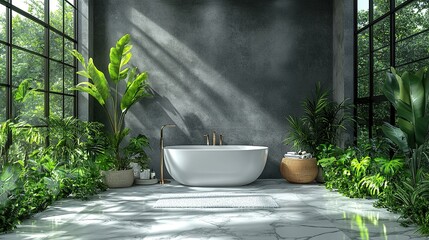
{"points": [[241, 82]]}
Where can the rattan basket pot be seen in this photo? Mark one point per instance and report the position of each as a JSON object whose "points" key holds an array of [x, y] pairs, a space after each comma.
{"points": [[296, 170], [118, 179]]}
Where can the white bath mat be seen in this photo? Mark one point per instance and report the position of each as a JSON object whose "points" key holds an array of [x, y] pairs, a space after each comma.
{"points": [[216, 201]]}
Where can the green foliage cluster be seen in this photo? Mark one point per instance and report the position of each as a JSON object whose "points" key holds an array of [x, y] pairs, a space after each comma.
{"points": [[409, 94], [32, 175], [322, 122], [401, 184], [114, 104], [357, 175]]}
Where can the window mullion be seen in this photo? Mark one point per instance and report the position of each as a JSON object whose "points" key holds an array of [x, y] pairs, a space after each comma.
{"points": [[371, 69]]}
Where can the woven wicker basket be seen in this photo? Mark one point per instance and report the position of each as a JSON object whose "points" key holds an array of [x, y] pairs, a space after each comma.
{"points": [[118, 179], [296, 170]]}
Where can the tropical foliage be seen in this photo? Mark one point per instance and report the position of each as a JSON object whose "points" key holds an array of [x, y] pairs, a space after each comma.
{"points": [[32, 175], [322, 122], [115, 107], [356, 175]]}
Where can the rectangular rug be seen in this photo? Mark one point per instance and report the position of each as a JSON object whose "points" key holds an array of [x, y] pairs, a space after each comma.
{"points": [[210, 200]]}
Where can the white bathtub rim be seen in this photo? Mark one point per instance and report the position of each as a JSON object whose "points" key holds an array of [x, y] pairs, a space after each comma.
{"points": [[215, 147]]}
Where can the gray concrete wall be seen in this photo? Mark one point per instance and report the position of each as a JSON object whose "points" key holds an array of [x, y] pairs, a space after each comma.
{"points": [[85, 47], [343, 60], [236, 67]]}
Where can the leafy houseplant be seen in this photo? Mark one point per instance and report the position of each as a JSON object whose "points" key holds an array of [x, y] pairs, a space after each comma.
{"points": [[321, 123], [134, 151], [409, 95], [115, 107]]}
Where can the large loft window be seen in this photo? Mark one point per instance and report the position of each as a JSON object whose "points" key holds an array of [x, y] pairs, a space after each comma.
{"points": [[35, 39], [388, 33]]}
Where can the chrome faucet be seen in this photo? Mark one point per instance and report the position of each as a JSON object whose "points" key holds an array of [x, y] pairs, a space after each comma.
{"points": [[161, 147], [220, 139]]}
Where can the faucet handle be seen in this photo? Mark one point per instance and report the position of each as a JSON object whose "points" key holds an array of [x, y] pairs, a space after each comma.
{"points": [[207, 139], [220, 139], [214, 138]]}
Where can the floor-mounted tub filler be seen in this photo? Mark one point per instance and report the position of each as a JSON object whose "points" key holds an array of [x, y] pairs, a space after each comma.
{"points": [[227, 165]]}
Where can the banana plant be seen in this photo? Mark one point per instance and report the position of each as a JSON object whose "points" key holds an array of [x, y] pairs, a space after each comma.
{"points": [[409, 94], [99, 88]]}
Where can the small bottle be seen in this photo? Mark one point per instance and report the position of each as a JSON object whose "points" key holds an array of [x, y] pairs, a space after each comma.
{"points": [[152, 174]]}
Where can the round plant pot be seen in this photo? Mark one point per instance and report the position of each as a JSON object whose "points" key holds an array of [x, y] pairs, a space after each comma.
{"points": [[118, 179], [296, 170], [320, 178]]}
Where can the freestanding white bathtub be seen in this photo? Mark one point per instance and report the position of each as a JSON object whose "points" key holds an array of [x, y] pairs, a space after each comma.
{"points": [[227, 165]]}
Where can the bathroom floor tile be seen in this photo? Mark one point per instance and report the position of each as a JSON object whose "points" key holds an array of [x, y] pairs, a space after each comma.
{"points": [[306, 212]]}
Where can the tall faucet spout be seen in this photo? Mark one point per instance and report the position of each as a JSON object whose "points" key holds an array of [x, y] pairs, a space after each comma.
{"points": [[161, 148]]}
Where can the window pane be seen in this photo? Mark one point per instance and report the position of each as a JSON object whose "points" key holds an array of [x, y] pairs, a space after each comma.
{"points": [[381, 115], [3, 23], [56, 14], [72, 2], [68, 58], [55, 76], [363, 53], [68, 79], [2, 63], [56, 46], [379, 79], [413, 67], [382, 59], [27, 34], [381, 33], [56, 105], [412, 19], [3, 101], [69, 20], [363, 13], [27, 66], [412, 49], [34, 7], [362, 123], [363, 86], [399, 2], [31, 109], [380, 7], [68, 106]]}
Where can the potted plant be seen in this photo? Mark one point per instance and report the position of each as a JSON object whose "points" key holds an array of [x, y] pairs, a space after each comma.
{"points": [[136, 154], [321, 123], [115, 106]]}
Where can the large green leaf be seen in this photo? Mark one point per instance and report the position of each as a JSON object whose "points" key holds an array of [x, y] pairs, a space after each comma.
{"points": [[421, 129], [79, 57], [99, 80], [426, 86], [22, 91], [134, 92], [396, 135], [119, 57], [417, 95], [391, 87], [404, 110], [404, 87], [91, 89]]}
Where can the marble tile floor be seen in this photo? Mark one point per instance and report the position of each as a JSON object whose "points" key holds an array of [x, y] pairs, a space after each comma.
{"points": [[306, 212]]}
